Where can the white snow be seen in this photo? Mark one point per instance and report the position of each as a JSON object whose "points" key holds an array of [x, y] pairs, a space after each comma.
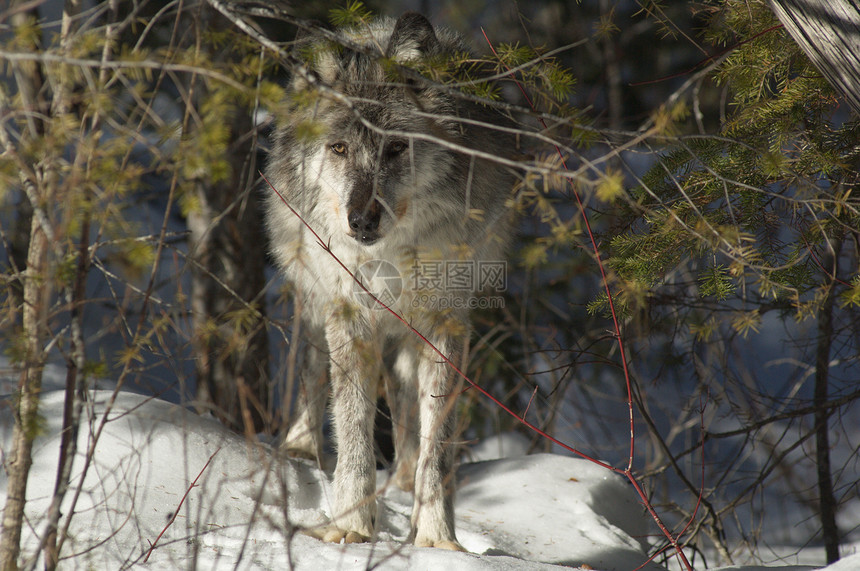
{"points": [[523, 512]]}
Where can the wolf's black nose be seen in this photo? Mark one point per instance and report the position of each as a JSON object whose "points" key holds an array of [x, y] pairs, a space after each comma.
{"points": [[364, 222]]}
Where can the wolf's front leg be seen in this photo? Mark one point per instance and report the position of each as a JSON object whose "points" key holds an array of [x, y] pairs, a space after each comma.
{"points": [[354, 404], [433, 511], [304, 438]]}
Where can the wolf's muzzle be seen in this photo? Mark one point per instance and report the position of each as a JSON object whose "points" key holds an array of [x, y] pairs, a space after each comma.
{"points": [[364, 222]]}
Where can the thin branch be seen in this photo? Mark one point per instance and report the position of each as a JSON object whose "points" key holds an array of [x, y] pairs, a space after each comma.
{"points": [[153, 544]]}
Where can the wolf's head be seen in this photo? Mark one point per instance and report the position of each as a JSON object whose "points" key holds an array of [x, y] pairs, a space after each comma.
{"points": [[367, 144]]}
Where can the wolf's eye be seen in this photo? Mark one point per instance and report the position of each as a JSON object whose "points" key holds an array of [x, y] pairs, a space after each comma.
{"points": [[396, 147], [338, 148]]}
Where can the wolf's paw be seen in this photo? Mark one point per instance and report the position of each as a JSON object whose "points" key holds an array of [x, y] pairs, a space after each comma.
{"points": [[337, 535], [334, 534], [448, 544]]}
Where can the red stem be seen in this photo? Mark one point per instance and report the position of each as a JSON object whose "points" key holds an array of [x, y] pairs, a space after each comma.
{"points": [[628, 472], [179, 507]]}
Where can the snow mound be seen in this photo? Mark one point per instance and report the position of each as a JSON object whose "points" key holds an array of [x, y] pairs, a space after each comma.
{"points": [[850, 563], [248, 505], [245, 511]]}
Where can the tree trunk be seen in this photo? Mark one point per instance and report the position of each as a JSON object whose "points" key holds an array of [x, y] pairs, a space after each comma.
{"points": [[612, 71], [73, 401], [29, 81], [32, 291], [829, 32], [25, 430], [826, 498], [231, 341]]}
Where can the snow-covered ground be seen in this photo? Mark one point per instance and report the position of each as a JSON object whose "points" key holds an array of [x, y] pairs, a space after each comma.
{"points": [[520, 512]]}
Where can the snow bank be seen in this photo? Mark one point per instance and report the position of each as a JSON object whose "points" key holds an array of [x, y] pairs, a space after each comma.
{"points": [[526, 512], [520, 513]]}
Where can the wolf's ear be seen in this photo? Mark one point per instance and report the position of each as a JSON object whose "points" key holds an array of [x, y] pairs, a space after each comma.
{"points": [[308, 48], [413, 38]]}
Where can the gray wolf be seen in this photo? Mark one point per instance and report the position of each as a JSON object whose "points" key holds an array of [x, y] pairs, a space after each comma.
{"points": [[378, 164]]}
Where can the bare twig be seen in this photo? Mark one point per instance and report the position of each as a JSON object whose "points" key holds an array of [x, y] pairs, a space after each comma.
{"points": [[153, 544]]}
